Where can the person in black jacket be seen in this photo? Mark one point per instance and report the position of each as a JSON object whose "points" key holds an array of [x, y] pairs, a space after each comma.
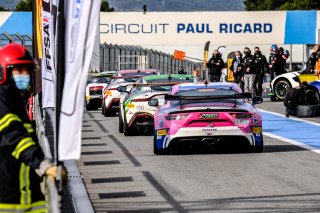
{"points": [[237, 68], [312, 61], [248, 70], [215, 65], [22, 162], [260, 64]]}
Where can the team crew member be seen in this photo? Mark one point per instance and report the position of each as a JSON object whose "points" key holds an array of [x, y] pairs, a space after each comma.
{"points": [[22, 162], [248, 71], [313, 60], [215, 65], [260, 64], [276, 62], [237, 68]]}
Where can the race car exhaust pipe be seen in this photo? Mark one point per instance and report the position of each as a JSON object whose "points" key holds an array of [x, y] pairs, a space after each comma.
{"points": [[209, 141]]}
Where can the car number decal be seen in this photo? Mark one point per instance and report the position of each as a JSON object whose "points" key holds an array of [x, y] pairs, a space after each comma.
{"points": [[256, 129], [162, 132], [140, 107]]}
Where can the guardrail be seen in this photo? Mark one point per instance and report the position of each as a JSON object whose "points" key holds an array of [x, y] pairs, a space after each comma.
{"points": [[120, 57], [53, 198]]}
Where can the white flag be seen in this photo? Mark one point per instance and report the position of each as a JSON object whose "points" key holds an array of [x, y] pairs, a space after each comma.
{"points": [[82, 19], [49, 14]]}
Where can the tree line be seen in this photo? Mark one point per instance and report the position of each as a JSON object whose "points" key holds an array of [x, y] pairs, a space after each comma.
{"points": [[26, 5]]}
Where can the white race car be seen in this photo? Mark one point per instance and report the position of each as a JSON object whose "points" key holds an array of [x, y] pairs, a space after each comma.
{"points": [[283, 83], [111, 96], [94, 89], [135, 114]]}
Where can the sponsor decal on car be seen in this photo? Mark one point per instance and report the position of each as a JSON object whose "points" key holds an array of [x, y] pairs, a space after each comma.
{"points": [[209, 130], [208, 116]]}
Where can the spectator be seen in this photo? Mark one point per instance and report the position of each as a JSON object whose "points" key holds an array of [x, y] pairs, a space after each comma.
{"points": [[181, 71], [196, 75], [215, 65], [248, 71], [313, 60], [237, 69]]}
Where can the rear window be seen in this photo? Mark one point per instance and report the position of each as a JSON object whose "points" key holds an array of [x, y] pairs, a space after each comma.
{"points": [[100, 80], [209, 92]]}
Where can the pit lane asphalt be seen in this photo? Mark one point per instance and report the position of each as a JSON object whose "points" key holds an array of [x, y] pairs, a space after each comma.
{"points": [[122, 174]]}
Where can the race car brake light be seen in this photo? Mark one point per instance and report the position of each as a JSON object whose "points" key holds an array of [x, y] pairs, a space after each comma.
{"points": [[96, 88], [176, 117], [240, 115]]}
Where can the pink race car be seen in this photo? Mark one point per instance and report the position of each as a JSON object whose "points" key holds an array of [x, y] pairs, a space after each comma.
{"points": [[205, 115]]}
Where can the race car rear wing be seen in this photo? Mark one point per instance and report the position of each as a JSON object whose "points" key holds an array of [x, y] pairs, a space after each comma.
{"points": [[124, 77], [255, 100], [124, 88], [209, 97], [156, 84]]}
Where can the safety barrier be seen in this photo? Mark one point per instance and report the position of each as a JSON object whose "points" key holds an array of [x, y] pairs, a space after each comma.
{"points": [[52, 195]]}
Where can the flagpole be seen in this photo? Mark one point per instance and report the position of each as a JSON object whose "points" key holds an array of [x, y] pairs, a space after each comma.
{"points": [[60, 75]]}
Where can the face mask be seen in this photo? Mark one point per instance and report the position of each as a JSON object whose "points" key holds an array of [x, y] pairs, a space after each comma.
{"points": [[22, 81]]}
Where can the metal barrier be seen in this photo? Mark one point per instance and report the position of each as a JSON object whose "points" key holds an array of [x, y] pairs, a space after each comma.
{"points": [[120, 57], [25, 40], [52, 195]]}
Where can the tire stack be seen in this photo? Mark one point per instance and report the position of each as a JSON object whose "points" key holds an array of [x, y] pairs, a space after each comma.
{"points": [[308, 111]]}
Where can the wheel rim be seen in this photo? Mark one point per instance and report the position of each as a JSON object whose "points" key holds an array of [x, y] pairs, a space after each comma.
{"points": [[281, 89]]}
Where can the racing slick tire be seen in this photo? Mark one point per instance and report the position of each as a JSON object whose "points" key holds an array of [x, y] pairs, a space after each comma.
{"points": [[105, 111], [307, 111], [259, 148], [157, 151], [127, 131], [279, 87], [120, 123], [102, 109]]}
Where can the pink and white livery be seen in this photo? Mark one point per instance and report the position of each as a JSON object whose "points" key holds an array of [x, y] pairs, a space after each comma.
{"points": [[207, 114]]}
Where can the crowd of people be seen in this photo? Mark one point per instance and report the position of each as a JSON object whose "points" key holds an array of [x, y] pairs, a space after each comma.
{"points": [[249, 69]]}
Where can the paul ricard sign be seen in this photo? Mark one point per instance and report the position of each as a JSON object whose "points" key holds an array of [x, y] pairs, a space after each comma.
{"points": [[195, 28]]}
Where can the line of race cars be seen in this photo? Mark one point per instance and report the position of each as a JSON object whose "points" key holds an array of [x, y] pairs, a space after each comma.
{"points": [[178, 112]]}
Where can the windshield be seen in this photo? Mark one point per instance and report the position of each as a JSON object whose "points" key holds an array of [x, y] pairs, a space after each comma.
{"points": [[209, 92], [100, 80]]}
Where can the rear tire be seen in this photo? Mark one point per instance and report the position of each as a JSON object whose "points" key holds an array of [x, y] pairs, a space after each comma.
{"points": [[258, 149], [307, 111], [127, 131], [105, 111], [102, 109], [157, 151], [120, 123], [88, 108]]}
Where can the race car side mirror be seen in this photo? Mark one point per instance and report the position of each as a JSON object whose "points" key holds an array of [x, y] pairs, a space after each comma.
{"points": [[122, 89], [153, 102], [257, 100]]}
